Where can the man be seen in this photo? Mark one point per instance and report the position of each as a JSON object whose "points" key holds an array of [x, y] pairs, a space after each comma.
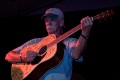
{"points": [[54, 21]]}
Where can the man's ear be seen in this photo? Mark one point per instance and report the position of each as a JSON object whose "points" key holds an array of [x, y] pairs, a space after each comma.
{"points": [[61, 23]]}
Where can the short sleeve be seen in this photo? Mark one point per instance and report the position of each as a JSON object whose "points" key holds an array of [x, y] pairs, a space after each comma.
{"points": [[70, 45], [30, 42]]}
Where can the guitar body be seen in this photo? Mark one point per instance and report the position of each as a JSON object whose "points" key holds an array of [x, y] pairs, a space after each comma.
{"points": [[28, 71]]}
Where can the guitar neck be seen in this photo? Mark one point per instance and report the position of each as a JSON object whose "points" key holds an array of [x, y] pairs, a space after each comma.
{"points": [[65, 35]]}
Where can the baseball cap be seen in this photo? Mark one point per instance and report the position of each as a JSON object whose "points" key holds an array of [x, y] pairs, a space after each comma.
{"points": [[53, 12]]}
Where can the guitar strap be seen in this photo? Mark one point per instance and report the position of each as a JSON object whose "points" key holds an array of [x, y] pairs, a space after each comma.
{"points": [[60, 51]]}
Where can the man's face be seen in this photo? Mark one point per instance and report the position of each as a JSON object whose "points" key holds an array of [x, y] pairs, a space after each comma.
{"points": [[52, 24]]}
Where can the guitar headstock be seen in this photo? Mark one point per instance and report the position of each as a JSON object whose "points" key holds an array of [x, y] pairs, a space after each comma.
{"points": [[103, 15]]}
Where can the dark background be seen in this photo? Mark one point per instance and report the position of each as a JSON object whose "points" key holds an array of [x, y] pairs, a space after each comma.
{"points": [[101, 60]]}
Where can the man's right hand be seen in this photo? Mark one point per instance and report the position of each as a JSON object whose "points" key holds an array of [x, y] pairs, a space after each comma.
{"points": [[28, 56]]}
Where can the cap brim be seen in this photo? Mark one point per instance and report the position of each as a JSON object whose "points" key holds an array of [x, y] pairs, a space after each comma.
{"points": [[43, 17], [49, 14]]}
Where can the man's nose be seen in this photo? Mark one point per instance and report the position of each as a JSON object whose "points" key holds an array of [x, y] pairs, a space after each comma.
{"points": [[48, 20]]}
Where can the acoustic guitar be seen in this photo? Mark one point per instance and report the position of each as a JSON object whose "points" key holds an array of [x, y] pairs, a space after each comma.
{"points": [[48, 53]]}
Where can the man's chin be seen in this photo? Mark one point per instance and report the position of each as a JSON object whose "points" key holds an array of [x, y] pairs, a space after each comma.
{"points": [[50, 32]]}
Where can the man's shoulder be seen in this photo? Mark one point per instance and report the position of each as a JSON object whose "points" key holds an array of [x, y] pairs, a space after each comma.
{"points": [[69, 40], [35, 40]]}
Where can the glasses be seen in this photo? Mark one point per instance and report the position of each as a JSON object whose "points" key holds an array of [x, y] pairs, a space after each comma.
{"points": [[51, 17]]}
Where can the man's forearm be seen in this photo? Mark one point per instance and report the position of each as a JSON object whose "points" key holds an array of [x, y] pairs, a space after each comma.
{"points": [[80, 46], [13, 57]]}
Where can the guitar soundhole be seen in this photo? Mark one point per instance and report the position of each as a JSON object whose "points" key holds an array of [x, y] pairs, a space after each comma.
{"points": [[42, 50], [38, 58]]}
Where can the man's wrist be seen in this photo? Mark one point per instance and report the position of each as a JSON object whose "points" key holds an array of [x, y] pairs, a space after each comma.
{"points": [[85, 35]]}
